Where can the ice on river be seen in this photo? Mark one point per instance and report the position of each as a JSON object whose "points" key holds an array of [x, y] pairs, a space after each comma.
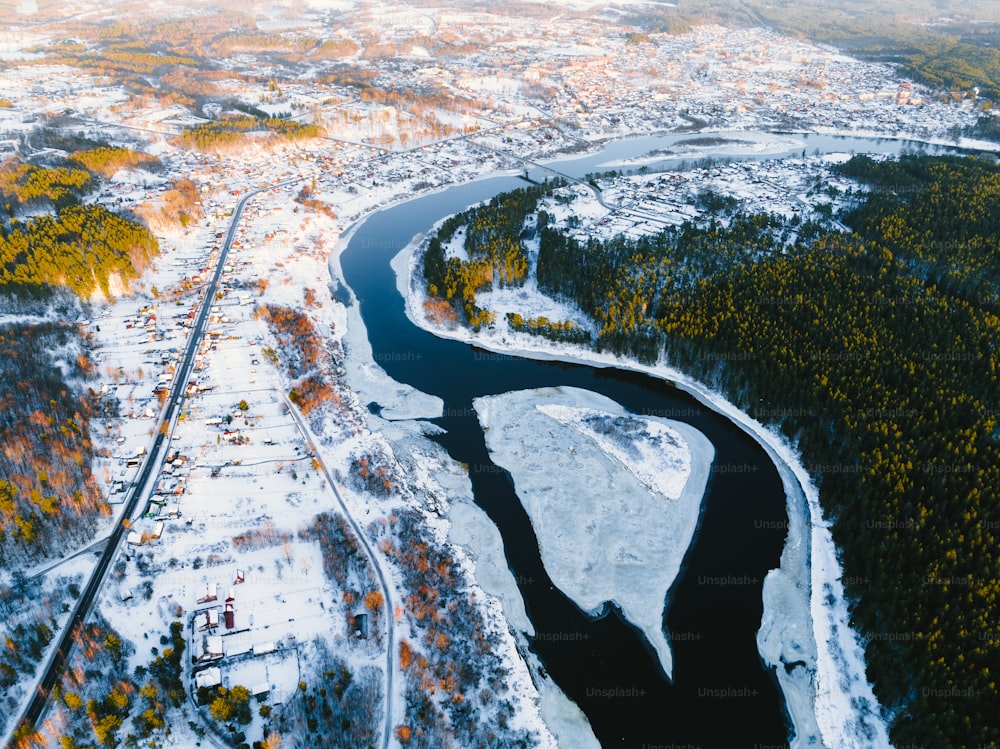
{"points": [[613, 497]]}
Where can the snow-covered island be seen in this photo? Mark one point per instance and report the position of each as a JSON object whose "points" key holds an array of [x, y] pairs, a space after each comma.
{"points": [[614, 497]]}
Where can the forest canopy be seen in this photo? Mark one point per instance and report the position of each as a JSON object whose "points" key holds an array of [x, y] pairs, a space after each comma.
{"points": [[875, 353], [48, 495], [83, 247]]}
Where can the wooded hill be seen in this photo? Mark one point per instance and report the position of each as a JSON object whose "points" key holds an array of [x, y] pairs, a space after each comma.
{"points": [[106, 160], [876, 353], [78, 246], [492, 241], [48, 497], [234, 130]]}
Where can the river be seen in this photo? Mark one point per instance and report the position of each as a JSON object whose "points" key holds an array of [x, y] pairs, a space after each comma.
{"points": [[721, 694]]}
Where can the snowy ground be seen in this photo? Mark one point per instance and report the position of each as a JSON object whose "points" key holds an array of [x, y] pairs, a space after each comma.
{"points": [[613, 498], [240, 468], [448, 492], [287, 248]]}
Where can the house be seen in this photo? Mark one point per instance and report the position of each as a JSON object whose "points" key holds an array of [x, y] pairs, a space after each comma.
{"points": [[207, 648], [211, 593], [210, 677]]}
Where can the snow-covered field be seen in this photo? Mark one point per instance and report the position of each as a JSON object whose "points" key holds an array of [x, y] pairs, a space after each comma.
{"points": [[613, 498]]}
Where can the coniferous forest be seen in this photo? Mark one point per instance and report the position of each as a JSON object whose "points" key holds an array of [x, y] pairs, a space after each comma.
{"points": [[874, 351], [66, 243]]}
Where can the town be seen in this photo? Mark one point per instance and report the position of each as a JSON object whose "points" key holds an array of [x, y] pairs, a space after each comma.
{"points": [[263, 504]]}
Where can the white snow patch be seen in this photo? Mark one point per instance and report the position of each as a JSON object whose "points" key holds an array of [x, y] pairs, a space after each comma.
{"points": [[603, 533], [659, 447]]}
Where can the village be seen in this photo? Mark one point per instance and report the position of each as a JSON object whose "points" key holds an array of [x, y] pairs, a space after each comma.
{"points": [[225, 540]]}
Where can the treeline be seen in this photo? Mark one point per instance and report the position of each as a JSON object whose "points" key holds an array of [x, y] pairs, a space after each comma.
{"points": [[456, 687], [945, 222], [79, 247], [333, 706], [112, 59], [952, 64], [106, 160], [565, 331], [48, 496], [97, 694], [492, 240], [949, 56], [232, 131], [875, 353], [307, 362]]}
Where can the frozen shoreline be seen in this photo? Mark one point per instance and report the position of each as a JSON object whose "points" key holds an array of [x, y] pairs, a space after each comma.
{"points": [[468, 526], [364, 375], [829, 700], [604, 533]]}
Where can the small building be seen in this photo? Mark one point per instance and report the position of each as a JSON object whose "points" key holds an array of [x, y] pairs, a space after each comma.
{"points": [[260, 691], [207, 648], [157, 530], [134, 538], [211, 593], [210, 620], [210, 677], [125, 594], [230, 616], [264, 648], [361, 626]]}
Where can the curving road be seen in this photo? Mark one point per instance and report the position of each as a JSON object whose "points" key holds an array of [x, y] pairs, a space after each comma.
{"points": [[390, 605]]}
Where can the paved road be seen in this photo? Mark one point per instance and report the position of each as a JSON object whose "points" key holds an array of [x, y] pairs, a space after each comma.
{"points": [[150, 468]]}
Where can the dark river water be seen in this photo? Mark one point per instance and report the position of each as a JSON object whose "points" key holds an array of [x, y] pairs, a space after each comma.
{"points": [[721, 694]]}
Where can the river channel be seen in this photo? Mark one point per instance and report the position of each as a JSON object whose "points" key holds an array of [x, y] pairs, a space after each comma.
{"points": [[715, 604]]}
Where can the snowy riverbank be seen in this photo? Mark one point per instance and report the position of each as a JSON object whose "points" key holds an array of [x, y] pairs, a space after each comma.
{"points": [[445, 484], [806, 620], [614, 498]]}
